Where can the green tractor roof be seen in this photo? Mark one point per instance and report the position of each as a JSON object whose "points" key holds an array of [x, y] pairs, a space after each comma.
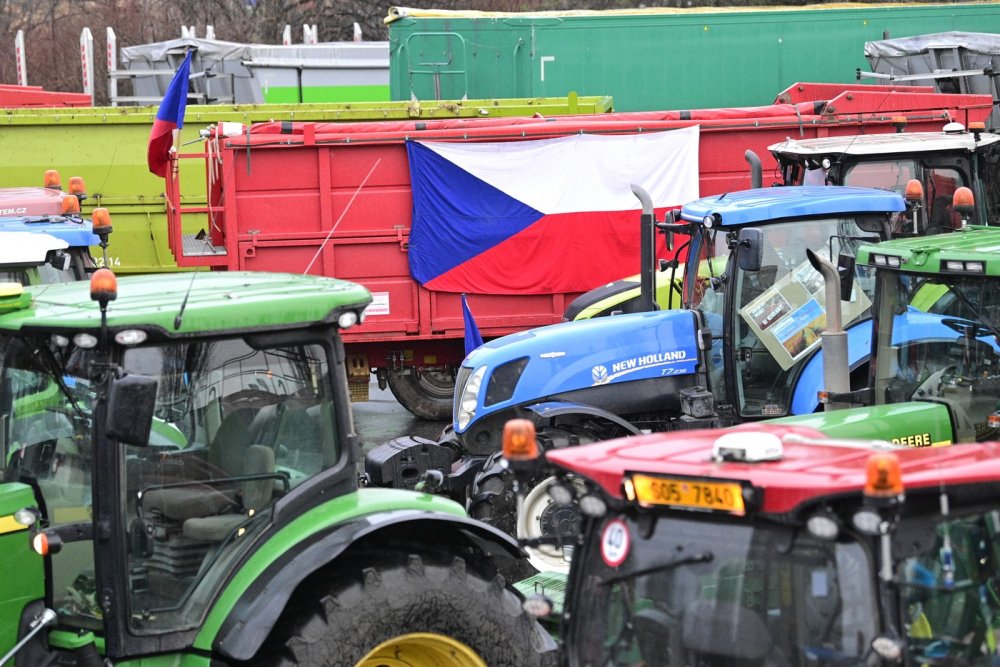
{"points": [[970, 251], [212, 302]]}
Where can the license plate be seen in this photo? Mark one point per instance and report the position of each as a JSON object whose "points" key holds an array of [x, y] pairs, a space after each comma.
{"points": [[690, 493]]}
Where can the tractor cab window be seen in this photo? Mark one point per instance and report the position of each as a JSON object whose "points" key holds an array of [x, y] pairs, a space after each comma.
{"points": [[950, 590], [705, 291], [720, 592], [45, 412], [236, 428], [779, 310], [943, 346], [939, 182]]}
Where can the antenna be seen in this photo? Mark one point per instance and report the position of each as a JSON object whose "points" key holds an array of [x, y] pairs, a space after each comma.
{"points": [[184, 303]]}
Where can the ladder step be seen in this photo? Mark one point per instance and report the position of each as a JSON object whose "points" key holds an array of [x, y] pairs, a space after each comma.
{"points": [[199, 247]]}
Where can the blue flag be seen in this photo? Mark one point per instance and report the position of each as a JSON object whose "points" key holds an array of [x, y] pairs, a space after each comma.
{"points": [[169, 117], [473, 339]]}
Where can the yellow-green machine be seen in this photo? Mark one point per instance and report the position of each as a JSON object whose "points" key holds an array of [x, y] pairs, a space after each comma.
{"points": [[107, 147]]}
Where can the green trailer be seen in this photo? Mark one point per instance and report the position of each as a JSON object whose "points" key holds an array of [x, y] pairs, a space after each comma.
{"points": [[107, 147], [650, 59]]}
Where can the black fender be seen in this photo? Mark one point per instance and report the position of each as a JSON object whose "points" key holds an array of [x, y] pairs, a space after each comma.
{"points": [[252, 618], [552, 409]]}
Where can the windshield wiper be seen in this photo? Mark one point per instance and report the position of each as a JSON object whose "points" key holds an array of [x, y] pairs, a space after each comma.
{"points": [[701, 557], [55, 372]]}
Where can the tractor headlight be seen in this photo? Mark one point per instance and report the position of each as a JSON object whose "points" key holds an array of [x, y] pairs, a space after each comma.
{"points": [[469, 398]]}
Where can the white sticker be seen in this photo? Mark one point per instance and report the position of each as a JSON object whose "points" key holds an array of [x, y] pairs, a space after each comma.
{"points": [[615, 543], [379, 304]]}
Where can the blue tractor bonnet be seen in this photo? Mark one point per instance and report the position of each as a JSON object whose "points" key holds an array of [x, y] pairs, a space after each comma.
{"points": [[579, 355]]}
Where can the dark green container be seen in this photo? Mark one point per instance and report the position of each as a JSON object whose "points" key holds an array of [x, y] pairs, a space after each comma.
{"points": [[652, 59]]}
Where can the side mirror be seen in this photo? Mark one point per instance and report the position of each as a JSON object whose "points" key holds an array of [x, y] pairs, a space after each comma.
{"points": [[131, 402], [670, 218], [845, 270], [58, 259], [750, 249]]}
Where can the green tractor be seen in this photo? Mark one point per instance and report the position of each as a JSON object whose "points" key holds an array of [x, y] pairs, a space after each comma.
{"points": [[934, 376], [181, 487]]}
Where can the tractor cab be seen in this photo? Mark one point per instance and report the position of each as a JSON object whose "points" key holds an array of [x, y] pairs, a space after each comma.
{"points": [[942, 162], [62, 251], [768, 545], [758, 298], [935, 371]]}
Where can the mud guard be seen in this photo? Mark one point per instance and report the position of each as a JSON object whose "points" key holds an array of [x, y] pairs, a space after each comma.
{"points": [[552, 409], [250, 621]]}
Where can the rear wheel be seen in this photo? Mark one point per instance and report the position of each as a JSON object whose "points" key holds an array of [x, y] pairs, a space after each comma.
{"points": [[376, 613], [427, 394]]}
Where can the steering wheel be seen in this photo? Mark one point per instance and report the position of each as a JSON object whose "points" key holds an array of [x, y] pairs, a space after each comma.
{"points": [[254, 398], [936, 380], [967, 328]]}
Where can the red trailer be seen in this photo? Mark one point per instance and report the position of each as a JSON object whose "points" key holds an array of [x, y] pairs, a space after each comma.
{"points": [[306, 197], [35, 96]]}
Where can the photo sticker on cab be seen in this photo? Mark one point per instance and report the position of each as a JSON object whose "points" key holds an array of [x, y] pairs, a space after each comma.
{"points": [[615, 543]]}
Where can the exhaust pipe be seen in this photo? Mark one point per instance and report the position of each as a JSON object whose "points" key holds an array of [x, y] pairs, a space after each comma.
{"points": [[836, 368], [647, 251], [756, 171]]}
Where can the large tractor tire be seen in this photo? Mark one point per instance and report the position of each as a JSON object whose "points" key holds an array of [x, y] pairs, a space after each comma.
{"points": [[427, 394], [374, 613]]}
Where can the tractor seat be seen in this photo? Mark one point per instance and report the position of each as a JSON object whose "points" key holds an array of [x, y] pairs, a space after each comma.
{"points": [[256, 495]]}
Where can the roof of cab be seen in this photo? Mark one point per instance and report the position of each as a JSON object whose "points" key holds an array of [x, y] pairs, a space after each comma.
{"points": [[806, 472], [928, 254], [212, 302], [766, 204], [883, 144]]}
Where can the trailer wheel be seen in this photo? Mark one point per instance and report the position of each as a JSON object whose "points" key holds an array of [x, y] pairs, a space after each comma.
{"points": [[376, 613], [427, 394]]}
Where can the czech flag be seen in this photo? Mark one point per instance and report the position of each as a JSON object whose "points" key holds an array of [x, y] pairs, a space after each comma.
{"points": [[169, 118], [473, 338], [542, 216]]}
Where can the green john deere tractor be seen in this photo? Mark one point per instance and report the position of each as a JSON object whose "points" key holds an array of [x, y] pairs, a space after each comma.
{"points": [[934, 375], [180, 487]]}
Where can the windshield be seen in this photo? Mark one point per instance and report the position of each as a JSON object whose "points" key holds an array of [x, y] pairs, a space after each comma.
{"points": [[779, 310], [950, 591], [725, 592], [943, 346], [939, 181], [237, 425]]}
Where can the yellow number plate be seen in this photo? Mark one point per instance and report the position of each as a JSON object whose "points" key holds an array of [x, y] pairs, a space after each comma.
{"points": [[696, 494]]}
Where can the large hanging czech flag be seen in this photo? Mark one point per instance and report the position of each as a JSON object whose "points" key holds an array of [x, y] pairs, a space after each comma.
{"points": [[542, 216]]}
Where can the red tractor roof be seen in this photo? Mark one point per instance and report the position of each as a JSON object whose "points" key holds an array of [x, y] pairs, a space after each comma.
{"points": [[805, 471], [20, 202]]}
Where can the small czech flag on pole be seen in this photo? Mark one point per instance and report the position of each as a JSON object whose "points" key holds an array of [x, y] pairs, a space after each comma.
{"points": [[169, 119], [472, 337]]}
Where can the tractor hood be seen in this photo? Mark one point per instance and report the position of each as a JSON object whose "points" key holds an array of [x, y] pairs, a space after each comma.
{"points": [[571, 357]]}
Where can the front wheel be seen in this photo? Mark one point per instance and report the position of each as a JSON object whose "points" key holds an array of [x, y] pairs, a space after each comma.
{"points": [[427, 394], [419, 613]]}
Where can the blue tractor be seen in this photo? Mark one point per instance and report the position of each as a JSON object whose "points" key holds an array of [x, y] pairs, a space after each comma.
{"points": [[44, 237], [743, 346]]}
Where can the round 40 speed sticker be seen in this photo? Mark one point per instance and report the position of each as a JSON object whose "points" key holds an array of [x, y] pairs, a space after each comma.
{"points": [[615, 543]]}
